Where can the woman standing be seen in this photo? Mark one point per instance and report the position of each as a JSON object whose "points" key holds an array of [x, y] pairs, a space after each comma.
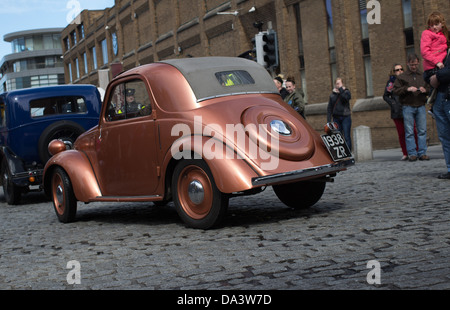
{"points": [[396, 107], [339, 109]]}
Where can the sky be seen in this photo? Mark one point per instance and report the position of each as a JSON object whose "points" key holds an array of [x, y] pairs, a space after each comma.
{"points": [[19, 15]]}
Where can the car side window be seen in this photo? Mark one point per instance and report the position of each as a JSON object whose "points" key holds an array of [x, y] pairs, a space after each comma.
{"points": [[57, 105], [128, 100]]}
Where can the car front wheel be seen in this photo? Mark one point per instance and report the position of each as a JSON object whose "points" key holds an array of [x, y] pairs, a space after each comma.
{"points": [[300, 195], [63, 198], [198, 201]]}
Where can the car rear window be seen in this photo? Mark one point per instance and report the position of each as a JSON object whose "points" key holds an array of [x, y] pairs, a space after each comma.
{"points": [[234, 78], [57, 105]]}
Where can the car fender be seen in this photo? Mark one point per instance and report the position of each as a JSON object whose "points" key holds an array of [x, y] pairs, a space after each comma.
{"points": [[231, 172], [15, 164], [80, 172], [16, 167]]}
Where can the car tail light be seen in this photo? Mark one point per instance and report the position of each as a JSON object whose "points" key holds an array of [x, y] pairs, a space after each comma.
{"points": [[330, 127], [31, 177]]}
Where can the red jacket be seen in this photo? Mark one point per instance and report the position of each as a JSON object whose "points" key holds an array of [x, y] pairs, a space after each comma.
{"points": [[433, 47]]}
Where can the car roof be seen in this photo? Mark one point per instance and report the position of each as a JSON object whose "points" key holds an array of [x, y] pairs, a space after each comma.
{"points": [[46, 89], [200, 73]]}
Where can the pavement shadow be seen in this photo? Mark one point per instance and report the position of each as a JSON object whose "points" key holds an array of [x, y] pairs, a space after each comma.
{"points": [[238, 214], [128, 213], [256, 215]]}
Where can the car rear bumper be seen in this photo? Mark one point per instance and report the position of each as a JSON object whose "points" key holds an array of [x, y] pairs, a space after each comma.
{"points": [[26, 178], [298, 175]]}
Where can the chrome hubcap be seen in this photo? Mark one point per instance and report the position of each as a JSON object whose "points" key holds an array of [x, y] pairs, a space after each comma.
{"points": [[196, 192], [59, 194]]}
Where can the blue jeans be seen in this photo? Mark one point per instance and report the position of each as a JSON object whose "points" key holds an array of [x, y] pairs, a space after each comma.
{"points": [[419, 116], [441, 110], [345, 126]]}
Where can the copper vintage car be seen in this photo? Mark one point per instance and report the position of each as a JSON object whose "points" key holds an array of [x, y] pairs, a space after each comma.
{"points": [[197, 132]]}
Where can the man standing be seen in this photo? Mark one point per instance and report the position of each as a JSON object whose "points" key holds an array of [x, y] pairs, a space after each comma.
{"points": [[295, 97], [412, 90], [441, 110]]}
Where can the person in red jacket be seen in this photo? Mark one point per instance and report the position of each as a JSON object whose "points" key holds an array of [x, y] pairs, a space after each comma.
{"points": [[434, 44]]}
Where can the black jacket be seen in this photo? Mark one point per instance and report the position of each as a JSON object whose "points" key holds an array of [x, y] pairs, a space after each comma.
{"points": [[393, 100], [443, 76], [339, 104]]}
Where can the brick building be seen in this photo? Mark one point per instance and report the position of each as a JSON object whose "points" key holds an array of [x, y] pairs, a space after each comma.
{"points": [[318, 40]]}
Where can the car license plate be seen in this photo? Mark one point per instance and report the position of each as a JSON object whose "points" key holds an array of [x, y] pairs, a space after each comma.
{"points": [[336, 145]]}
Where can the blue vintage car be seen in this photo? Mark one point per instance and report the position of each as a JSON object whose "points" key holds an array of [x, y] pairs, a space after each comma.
{"points": [[30, 119]]}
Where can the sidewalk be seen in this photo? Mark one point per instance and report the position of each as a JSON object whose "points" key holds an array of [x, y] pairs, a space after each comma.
{"points": [[434, 151]]}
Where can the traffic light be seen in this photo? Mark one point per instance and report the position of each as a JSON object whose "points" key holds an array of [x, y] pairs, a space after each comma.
{"points": [[258, 48], [270, 47], [266, 49]]}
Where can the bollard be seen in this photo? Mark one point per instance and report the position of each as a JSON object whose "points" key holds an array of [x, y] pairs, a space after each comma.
{"points": [[362, 143]]}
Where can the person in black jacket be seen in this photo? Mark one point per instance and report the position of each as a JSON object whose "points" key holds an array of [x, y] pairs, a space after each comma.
{"points": [[441, 110], [339, 109], [396, 107]]}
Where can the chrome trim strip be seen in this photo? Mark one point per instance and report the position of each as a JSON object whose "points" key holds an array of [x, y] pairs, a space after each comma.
{"points": [[26, 174], [235, 94], [304, 173]]}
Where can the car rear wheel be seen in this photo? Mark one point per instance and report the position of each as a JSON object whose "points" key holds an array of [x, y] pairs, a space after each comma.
{"points": [[198, 201], [10, 190], [63, 198], [300, 195]]}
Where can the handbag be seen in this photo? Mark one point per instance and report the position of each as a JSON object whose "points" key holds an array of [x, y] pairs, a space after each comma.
{"points": [[432, 98]]}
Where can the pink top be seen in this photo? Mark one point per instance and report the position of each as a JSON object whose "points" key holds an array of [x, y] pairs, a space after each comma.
{"points": [[433, 47]]}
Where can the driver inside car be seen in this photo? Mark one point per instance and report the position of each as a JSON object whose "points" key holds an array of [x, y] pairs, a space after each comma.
{"points": [[132, 105]]}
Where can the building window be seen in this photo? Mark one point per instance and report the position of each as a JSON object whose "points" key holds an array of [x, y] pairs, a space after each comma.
{"points": [[408, 26], [85, 63], [331, 45], [81, 31], [115, 43], [38, 43], [73, 36], [69, 67], [66, 44], [48, 42], [105, 51], [18, 45], [366, 47], [77, 68], [300, 49], [94, 58]]}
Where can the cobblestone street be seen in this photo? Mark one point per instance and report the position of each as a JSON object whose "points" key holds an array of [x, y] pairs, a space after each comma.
{"points": [[385, 210]]}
